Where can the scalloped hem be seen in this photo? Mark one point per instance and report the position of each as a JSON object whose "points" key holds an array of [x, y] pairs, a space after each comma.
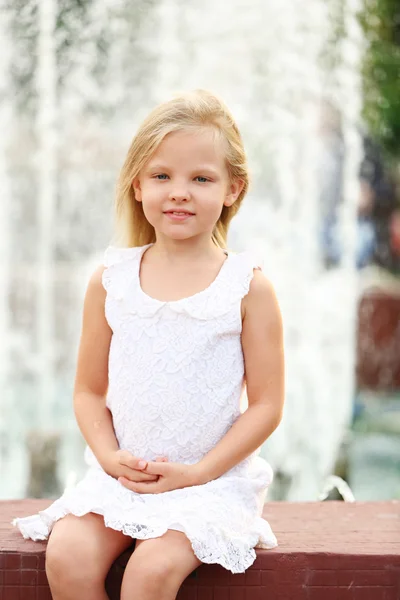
{"points": [[38, 528]]}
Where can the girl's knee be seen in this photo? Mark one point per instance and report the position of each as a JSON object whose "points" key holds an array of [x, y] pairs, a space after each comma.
{"points": [[68, 559], [64, 564], [154, 567], [153, 572], [159, 564]]}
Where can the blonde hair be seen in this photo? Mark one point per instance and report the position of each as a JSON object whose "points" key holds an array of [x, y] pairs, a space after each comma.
{"points": [[191, 110]]}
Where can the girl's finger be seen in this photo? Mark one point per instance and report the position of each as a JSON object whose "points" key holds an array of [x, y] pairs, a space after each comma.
{"points": [[134, 475], [133, 461], [159, 467], [145, 477], [141, 488]]}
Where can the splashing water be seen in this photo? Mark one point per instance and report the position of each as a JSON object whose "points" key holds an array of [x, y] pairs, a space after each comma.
{"points": [[86, 97]]}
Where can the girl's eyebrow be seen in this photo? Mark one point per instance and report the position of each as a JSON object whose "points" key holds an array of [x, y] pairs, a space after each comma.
{"points": [[156, 167], [200, 168]]}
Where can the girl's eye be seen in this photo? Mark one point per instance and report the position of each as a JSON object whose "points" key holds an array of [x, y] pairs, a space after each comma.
{"points": [[164, 176]]}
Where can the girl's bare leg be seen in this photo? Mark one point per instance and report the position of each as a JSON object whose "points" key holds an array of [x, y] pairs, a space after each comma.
{"points": [[158, 567], [79, 555]]}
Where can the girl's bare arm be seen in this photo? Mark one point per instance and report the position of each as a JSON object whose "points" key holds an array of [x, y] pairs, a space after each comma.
{"points": [[262, 343], [91, 384], [91, 381]]}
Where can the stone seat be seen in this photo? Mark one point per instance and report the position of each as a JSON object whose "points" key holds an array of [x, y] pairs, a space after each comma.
{"points": [[327, 551]]}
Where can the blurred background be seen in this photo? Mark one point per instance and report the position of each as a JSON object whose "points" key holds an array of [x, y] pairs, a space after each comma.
{"points": [[316, 94]]}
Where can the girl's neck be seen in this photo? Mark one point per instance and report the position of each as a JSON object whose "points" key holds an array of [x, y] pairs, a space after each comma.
{"points": [[181, 250]]}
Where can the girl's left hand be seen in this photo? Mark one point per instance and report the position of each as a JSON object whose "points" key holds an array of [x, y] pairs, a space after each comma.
{"points": [[172, 476]]}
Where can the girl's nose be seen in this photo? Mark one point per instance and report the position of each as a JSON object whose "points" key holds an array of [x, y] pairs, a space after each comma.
{"points": [[179, 195]]}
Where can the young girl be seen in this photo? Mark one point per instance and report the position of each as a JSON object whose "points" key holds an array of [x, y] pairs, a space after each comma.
{"points": [[173, 325]]}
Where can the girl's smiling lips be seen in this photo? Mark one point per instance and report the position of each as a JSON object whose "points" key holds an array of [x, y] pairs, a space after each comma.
{"points": [[178, 215]]}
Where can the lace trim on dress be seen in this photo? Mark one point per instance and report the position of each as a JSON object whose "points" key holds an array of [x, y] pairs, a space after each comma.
{"points": [[209, 543], [122, 283]]}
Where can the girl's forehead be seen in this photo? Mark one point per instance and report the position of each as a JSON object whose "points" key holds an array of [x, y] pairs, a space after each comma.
{"points": [[197, 145]]}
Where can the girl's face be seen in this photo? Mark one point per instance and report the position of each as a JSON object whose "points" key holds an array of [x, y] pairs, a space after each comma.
{"points": [[185, 184]]}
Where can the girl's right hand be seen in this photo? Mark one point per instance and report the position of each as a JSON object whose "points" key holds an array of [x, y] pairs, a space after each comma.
{"points": [[123, 464]]}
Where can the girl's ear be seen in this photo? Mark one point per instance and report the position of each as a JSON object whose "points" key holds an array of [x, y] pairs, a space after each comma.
{"points": [[137, 189], [235, 187]]}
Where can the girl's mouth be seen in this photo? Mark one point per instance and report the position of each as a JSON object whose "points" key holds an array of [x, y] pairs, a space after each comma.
{"points": [[176, 215]]}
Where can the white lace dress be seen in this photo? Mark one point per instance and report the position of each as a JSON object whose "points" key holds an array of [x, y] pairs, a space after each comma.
{"points": [[176, 377]]}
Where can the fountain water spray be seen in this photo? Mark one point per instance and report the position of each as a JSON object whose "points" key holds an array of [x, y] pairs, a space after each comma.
{"points": [[263, 58]]}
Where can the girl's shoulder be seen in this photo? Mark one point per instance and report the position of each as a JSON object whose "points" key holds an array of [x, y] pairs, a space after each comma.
{"points": [[120, 265], [245, 262], [252, 273]]}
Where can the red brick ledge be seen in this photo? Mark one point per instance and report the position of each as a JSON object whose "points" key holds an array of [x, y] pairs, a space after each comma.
{"points": [[327, 550]]}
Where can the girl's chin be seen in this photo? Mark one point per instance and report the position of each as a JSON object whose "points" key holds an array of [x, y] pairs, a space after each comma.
{"points": [[176, 230], [178, 235]]}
